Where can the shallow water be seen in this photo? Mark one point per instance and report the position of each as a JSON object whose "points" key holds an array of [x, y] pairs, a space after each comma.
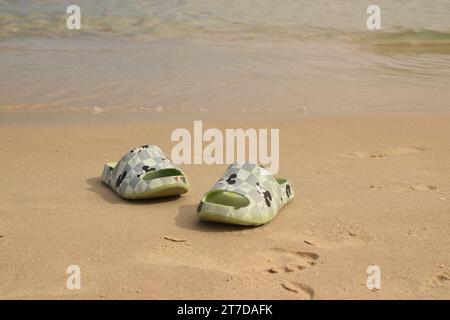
{"points": [[203, 56]]}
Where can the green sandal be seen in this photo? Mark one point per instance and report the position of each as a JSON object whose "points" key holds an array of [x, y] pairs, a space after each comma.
{"points": [[145, 173], [247, 194]]}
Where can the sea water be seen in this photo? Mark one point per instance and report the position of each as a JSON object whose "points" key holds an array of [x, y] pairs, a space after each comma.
{"points": [[258, 56]]}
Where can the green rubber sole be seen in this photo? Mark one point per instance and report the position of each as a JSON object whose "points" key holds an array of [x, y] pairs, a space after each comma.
{"points": [[164, 191], [214, 217]]}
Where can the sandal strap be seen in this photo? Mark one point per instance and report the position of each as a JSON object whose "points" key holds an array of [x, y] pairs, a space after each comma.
{"points": [[127, 174], [255, 183]]}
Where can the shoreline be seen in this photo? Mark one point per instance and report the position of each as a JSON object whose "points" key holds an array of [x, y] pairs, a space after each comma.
{"points": [[91, 116]]}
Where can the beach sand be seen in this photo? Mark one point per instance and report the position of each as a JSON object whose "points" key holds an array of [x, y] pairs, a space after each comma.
{"points": [[370, 190]]}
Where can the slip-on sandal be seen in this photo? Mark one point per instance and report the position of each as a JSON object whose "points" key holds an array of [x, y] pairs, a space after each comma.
{"points": [[247, 194], [145, 173]]}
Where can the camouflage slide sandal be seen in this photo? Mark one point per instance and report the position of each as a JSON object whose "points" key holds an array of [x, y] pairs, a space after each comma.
{"points": [[145, 173], [247, 194]]}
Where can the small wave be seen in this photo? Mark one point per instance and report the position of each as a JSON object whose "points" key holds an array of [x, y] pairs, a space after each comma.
{"points": [[13, 25], [400, 40], [147, 25]]}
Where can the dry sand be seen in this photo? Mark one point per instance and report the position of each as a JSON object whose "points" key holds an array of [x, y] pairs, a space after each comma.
{"points": [[370, 191]]}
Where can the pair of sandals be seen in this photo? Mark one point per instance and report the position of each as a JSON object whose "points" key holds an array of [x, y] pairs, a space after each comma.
{"points": [[247, 194]]}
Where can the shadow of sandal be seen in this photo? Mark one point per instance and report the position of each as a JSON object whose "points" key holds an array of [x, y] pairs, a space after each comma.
{"points": [[98, 187]]}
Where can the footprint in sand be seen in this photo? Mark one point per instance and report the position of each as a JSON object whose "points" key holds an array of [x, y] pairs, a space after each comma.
{"points": [[440, 279], [379, 155], [423, 187], [400, 187], [303, 290], [288, 261], [443, 277]]}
